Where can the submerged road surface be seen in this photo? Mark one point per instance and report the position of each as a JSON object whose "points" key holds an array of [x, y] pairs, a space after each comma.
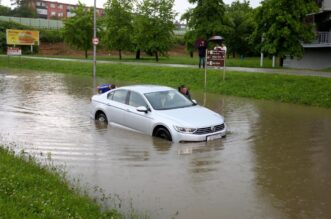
{"points": [[274, 163]]}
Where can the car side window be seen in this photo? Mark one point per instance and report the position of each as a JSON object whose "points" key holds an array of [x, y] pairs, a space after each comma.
{"points": [[120, 96], [136, 100], [110, 95]]}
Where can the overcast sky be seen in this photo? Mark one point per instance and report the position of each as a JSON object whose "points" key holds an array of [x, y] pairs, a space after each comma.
{"points": [[180, 5]]}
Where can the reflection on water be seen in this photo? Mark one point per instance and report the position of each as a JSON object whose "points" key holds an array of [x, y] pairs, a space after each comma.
{"points": [[274, 163]]}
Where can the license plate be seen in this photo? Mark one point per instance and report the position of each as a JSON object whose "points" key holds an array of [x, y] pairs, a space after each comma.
{"points": [[213, 137]]}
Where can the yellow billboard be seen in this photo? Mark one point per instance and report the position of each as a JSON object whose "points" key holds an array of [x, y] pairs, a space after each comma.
{"points": [[22, 37]]}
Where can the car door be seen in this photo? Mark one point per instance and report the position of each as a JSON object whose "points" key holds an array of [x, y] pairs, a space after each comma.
{"points": [[139, 121], [116, 109]]}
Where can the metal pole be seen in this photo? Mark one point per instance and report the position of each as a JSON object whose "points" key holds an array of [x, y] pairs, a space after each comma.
{"points": [[94, 46], [273, 61], [206, 70], [224, 66], [261, 60]]}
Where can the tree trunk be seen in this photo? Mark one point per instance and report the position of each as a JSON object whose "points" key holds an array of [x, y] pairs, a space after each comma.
{"points": [[120, 54], [138, 54], [86, 54], [281, 61], [156, 56], [191, 54], [234, 55]]}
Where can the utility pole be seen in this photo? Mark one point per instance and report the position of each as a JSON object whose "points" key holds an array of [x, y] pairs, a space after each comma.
{"points": [[94, 46]]}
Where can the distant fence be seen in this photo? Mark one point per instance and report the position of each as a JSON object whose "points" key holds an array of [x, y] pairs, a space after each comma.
{"points": [[54, 24], [35, 22]]}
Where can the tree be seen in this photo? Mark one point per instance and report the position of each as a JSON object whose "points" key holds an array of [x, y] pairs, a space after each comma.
{"points": [[241, 25], [190, 35], [4, 11], [281, 25], [118, 25], [203, 21], [207, 18], [23, 8], [154, 26], [78, 30]]}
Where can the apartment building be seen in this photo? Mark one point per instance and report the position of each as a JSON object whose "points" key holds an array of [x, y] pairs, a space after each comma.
{"points": [[317, 54], [55, 10]]}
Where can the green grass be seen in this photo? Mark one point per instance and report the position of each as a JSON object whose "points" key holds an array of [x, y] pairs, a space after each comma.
{"points": [[28, 190], [314, 91], [253, 62]]}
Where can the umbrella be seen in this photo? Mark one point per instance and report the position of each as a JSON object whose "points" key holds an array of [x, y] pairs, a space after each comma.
{"points": [[199, 41], [216, 38]]}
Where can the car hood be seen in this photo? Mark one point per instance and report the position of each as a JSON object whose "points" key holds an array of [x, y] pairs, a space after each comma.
{"points": [[192, 117]]}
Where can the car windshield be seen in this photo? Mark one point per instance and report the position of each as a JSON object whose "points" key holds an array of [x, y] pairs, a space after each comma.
{"points": [[171, 99]]}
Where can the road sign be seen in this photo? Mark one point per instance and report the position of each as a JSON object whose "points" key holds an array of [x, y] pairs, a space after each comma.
{"points": [[95, 41], [14, 51], [215, 58]]}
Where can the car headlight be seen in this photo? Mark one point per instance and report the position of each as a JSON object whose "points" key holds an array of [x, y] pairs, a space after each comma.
{"points": [[185, 130]]}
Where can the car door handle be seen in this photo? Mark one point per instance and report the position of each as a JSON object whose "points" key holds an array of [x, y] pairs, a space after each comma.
{"points": [[128, 110]]}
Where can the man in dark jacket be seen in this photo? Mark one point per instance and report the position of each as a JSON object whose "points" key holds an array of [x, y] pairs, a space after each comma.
{"points": [[202, 53]]}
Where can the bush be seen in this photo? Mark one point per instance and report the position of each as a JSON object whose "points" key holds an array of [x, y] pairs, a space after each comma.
{"points": [[50, 36], [180, 40]]}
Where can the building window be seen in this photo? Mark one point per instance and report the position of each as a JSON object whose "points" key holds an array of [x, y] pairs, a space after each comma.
{"points": [[52, 5], [38, 3], [61, 6], [53, 13], [60, 14]]}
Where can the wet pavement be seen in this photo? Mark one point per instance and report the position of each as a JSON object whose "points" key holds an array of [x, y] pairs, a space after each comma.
{"points": [[274, 163]]}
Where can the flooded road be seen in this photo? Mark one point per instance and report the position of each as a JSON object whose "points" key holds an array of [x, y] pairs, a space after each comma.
{"points": [[274, 163]]}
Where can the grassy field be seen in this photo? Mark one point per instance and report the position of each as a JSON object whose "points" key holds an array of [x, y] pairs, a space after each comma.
{"points": [[314, 91], [178, 59], [28, 190]]}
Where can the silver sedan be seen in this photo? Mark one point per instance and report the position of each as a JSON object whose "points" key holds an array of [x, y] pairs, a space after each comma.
{"points": [[158, 111]]}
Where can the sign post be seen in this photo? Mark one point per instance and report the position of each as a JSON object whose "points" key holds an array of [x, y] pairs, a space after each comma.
{"points": [[95, 42], [215, 58]]}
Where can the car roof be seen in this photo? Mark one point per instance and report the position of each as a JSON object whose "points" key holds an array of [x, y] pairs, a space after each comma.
{"points": [[146, 88]]}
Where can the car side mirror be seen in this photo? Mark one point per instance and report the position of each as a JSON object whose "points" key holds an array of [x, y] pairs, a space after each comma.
{"points": [[142, 109], [195, 102]]}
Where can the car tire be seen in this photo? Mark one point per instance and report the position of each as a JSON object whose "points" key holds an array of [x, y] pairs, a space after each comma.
{"points": [[101, 117], [163, 133]]}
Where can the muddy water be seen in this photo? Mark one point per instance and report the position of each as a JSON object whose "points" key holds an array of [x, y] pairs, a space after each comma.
{"points": [[274, 163]]}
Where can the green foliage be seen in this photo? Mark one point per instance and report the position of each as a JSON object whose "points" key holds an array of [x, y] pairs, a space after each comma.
{"points": [[281, 24], [179, 40], [154, 26], [241, 21], [4, 11], [50, 36], [190, 38], [78, 30], [118, 27], [28, 190], [306, 90], [23, 11], [207, 18]]}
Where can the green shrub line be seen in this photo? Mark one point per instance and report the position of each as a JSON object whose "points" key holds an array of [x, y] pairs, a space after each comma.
{"points": [[31, 190], [306, 90]]}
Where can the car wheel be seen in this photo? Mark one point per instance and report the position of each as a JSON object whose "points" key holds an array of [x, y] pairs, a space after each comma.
{"points": [[163, 133], [101, 117]]}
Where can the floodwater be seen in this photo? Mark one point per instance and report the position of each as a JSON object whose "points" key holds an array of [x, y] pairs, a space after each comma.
{"points": [[274, 163]]}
